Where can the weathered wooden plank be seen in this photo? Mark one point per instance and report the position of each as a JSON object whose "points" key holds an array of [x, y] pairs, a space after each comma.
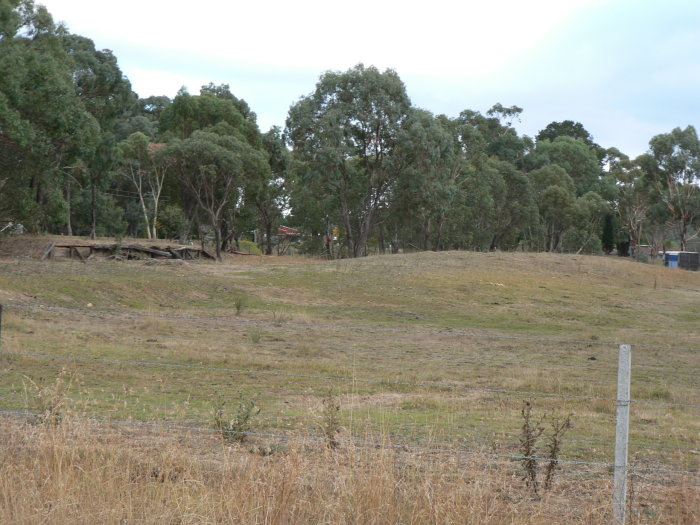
{"points": [[48, 251]]}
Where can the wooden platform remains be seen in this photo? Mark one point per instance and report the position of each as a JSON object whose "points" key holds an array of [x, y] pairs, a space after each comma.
{"points": [[123, 252]]}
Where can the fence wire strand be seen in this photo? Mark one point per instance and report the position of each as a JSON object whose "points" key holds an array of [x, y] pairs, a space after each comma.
{"points": [[326, 326], [361, 443], [438, 386]]}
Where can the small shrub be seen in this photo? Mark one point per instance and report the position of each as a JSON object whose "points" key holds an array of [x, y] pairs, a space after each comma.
{"points": [[255, 335], [641, 257], [529, 436], [661, 394], [240, 302], [529, 439], [269, 449], [236, 428], [558, 427], [331, 421], [249, 247], [279, 316]]}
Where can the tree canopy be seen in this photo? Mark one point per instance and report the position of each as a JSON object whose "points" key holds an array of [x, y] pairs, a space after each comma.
{"points": [[358, 169]]}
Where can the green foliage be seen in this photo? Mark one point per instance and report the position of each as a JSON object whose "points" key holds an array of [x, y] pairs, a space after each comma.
{"points": [[641, 257], [81, 153], [608, 236], [240, 302], [249, 247], [574, 156], [172, 223], [346, 133], [672, 167], [235, 428]]}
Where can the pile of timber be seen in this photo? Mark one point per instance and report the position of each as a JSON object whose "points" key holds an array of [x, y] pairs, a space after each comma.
{"points": [[121, 251]]}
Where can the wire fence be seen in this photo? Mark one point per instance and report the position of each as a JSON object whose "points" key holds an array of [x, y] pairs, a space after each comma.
{"points": [[228, 320], [479, 391]]}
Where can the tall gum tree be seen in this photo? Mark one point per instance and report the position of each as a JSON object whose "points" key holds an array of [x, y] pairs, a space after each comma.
{"points": [[673, 168], [45, 128], [213, 168], [346, 134], [214, 151]]}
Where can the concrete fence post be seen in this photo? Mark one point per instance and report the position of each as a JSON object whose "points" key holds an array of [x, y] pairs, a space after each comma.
{"points": [[624, 369]]}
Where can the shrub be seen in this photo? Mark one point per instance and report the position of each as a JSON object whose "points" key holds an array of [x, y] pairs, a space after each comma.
{"points": [[331, 421], [249, 247], [529, 440], [236, 428]]}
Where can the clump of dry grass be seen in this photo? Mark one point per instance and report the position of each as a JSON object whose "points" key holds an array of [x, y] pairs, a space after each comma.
{"points": [[85, 473]]}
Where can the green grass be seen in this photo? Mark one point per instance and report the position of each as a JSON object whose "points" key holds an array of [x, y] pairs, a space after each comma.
{"points": [[390, 319]]}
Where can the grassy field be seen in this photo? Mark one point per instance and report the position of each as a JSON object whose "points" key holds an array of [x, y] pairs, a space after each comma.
{"points": [[418, 352]]}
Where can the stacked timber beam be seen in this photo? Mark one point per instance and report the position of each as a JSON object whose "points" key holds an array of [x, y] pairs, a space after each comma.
{"points": [[122, 251]]}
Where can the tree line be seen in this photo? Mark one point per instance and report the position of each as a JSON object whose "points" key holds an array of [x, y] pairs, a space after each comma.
{"points": [[358, 168]]}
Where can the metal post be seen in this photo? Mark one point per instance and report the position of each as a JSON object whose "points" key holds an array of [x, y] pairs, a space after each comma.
{"points": [[624, 368], [0, 328]]}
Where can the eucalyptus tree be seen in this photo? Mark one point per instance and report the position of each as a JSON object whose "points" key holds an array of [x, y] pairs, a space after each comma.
{"points": [[215, 152], [213, 168], [45, 128], [268, 193], [515, 210], [496, 194], [214, 106], [345, 136], [555, 194], [106, 94], [590, 211], [672, 166], [575, 156], [424, 197], [634, 195], [493, 135], [139, 166]]}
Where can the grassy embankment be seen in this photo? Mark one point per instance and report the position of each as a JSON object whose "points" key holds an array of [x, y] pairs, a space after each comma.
{"points": [[388, 319]]}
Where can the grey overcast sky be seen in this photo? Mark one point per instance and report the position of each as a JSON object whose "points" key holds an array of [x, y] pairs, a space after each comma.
{"points": [[626, 69]]}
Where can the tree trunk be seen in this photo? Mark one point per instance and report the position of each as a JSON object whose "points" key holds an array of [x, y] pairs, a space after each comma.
{"points": [[268, 238], [69, 226], [93, 205], [382, 250], [217, 241], [146, 220], [437, 242], [348, 228], [425, 234], [683, 233], [365, 227]]}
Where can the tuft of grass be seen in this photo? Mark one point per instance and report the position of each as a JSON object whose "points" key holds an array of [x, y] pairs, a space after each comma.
{"points": [[235, 428], [240, 302], [255, 335], [47, 402]]}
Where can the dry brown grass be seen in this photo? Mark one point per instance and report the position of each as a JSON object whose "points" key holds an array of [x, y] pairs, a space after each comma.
{"points": [[85, 473]]}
